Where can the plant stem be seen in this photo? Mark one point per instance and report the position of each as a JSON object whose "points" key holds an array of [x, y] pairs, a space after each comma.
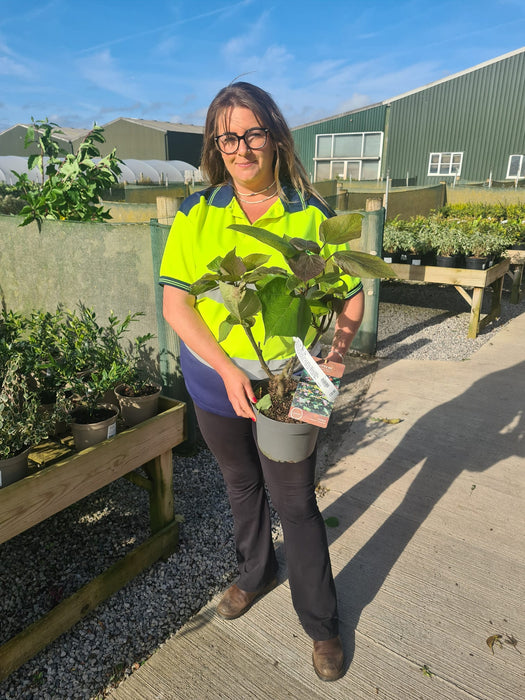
{"points": [[258, 352]]}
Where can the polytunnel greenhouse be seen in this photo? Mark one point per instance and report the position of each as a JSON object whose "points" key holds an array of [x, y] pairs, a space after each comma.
{"points": [[134, 171]]}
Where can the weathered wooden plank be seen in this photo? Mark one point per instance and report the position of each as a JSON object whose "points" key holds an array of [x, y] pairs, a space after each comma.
{"points": [[42, 632], [451, 275], [40, 495]]}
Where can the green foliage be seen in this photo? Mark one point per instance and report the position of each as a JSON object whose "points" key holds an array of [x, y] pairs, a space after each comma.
{"points": [[72, 183], [23, 419], [470, 229], [65, 358], [302, 295], [10, 200]]}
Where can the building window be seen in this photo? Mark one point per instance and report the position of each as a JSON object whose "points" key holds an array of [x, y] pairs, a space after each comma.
{"points": [[516, 168], [445, 164], [355, 156]]}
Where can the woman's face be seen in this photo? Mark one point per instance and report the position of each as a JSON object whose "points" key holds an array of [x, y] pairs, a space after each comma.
{"points": [[249, 169]]}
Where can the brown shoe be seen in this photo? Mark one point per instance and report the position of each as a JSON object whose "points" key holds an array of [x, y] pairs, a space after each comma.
{"points": [[235, 602], [328, 659]]}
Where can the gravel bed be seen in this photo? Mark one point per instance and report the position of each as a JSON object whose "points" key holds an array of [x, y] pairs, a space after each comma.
{"points": [[52, 560]]}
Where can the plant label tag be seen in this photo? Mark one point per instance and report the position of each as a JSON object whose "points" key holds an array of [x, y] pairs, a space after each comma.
{"points": [[112, 430], [312, 368]]}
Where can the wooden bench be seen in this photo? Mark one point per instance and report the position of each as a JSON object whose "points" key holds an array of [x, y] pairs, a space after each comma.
{"points": [[42, 494], [460, 278]]}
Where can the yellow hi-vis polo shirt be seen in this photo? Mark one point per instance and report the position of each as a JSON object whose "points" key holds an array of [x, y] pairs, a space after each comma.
{"points": [[200, 233]]}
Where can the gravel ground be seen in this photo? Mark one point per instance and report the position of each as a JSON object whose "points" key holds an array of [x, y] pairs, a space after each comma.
{"points": [[41, 566]]}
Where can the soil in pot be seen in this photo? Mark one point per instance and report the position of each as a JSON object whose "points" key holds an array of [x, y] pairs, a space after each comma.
{"points": [[280, 404], [90, 428], [136, 408]]}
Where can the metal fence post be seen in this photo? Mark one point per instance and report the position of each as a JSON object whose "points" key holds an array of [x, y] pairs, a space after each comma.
{"points": [[371, 242]]}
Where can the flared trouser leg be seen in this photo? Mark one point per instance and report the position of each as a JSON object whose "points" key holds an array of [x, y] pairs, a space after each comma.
{"points": [[231, 442], [292, 490]]}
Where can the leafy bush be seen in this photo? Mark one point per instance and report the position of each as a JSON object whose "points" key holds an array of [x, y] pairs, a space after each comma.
{"points": [[72, 183]]}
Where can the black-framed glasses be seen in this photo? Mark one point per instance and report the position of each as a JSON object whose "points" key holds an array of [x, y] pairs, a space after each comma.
{"points": [[255, 139]]}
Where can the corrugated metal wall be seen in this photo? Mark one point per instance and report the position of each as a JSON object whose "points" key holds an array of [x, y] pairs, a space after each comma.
{"points": [[372, 119], [481, 114], [133, 141]]}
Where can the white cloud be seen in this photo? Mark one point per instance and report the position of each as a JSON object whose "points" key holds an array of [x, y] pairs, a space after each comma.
{"points": [[8, 66], [323, 69], [244, 46], [101, 70]]}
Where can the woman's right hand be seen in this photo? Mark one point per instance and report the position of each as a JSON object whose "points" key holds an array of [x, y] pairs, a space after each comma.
{"points": [[239, 390]]}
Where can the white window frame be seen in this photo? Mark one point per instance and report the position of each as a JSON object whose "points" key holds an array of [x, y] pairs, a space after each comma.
{"points": [[332, 159], [521, 168], [440, 155]]}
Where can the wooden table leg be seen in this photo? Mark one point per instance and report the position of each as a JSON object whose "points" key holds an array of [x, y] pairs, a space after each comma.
{"points": [[160, 472], [475, 311], [516, 275]]}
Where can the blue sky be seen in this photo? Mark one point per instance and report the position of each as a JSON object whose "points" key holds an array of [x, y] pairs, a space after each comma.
{"points": [[77, 62]]}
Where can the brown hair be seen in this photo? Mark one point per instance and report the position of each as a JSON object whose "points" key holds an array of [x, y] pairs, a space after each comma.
{"points": [[288, 169]]}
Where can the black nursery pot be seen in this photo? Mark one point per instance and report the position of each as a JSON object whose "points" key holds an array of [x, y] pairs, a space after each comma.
{"points": [[391, 257], [449, 260], [477, 263]]}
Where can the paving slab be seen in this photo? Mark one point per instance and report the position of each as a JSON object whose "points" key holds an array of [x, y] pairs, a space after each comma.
{"points": [[424, 471]]}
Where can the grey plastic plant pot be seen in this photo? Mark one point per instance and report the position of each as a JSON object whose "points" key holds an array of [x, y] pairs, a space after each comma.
{"points": [[137, 409], [14, 468], [88, 434], [285, 442]]}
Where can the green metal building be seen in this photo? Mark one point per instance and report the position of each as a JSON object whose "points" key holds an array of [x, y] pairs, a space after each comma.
{"points": [[468, 128]]}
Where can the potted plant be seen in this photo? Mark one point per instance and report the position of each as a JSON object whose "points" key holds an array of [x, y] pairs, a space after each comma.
{"points": [[92, 419], [138, 395], [447, 240], [393, 242], [23, 423], [297, 301]]}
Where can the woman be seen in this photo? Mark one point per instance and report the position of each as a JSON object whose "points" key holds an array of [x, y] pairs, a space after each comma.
{"points": [[249, 159]]}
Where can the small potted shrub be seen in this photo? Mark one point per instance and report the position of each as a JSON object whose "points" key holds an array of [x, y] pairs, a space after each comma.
{"points": [[138, 395], [92, 419], [23, 423], [447, 240], [295, 301]]}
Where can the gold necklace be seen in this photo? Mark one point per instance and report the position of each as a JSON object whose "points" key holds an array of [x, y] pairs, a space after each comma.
{"points": [[258, 201], [253, 194]]}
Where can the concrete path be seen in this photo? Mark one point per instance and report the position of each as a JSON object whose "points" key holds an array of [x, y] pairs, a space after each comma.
{"points": [[426, 484]]}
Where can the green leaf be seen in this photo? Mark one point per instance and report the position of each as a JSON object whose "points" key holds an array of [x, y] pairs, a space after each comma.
{"points": [[332, 522], [30, 136], [261, 273], [267, 238], [215, 265], [240, 302], [233, 265], [264, 403], [203, 285], [363, 265], [32, 160], [283, 315], [306, 266], [255, 260], [341, 229], [226, 326], [302, 244]]}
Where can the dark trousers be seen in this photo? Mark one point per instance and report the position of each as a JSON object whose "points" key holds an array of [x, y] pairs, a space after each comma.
{"points": [[292, 490]]}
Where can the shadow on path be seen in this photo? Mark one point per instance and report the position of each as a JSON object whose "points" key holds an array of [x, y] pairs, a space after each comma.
{"points": [[473, 431]]}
